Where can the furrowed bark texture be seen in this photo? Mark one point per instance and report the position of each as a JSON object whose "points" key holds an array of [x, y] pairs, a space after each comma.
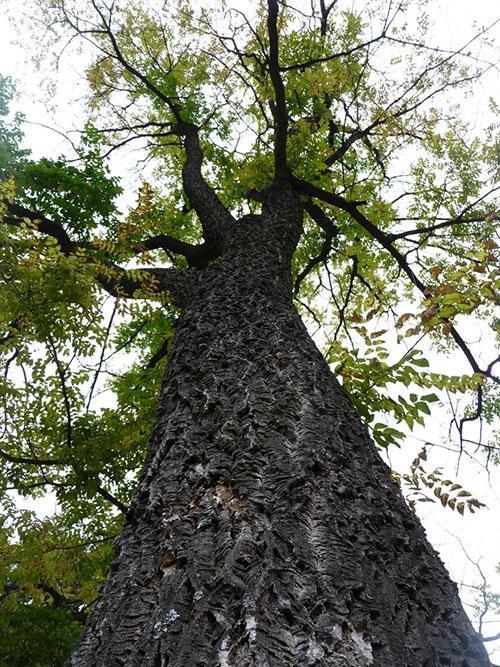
{"points": [[266, 530]]}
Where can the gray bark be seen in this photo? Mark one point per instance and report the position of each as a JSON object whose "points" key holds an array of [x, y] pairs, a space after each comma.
{"points": [[266, 530]]}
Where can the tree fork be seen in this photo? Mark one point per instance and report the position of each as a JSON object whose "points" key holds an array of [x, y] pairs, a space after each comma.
{"points": [[266, 529]]}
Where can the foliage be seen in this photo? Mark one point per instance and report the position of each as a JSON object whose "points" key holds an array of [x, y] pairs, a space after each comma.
{"points": [[450, 494], [400, 255]]}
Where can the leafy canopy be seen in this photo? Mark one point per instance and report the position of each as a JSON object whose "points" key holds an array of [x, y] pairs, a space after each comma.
{"points": [[360, 110]]}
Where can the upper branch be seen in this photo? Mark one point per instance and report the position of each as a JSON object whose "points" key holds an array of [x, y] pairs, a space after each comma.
{"points": [[29, 460], [43, 224], [278, 107], [440, 225], [463, 218], [118, 54], [141, 282], [410, 99], [351, 139], [331, 231], [325, 13], [213, 216], [324, 59], [197, 256]]}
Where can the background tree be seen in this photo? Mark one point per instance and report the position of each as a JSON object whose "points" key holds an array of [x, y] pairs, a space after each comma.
{"points": [[249, 123]]}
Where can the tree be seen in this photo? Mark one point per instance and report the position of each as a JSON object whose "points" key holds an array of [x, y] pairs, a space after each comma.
{"points": [[265, 528]]}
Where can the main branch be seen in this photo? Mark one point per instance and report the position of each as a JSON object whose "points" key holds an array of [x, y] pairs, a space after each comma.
{"points": [[386, 243], [213, 215], [116, 280]]}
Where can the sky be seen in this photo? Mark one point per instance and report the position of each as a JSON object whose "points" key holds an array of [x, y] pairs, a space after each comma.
{"points": [[465, 543]]}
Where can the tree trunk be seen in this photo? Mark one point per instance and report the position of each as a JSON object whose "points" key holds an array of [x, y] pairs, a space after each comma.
{"points": [[266, 530]]}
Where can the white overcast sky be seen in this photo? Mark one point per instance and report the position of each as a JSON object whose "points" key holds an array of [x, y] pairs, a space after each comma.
{"points": [[458, 539]]}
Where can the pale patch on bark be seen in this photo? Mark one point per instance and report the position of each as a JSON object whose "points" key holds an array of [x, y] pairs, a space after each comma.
{"points": [[224, 653], [363, 647], [161, 627], [251, 627], [200, 470], [314, 652]]}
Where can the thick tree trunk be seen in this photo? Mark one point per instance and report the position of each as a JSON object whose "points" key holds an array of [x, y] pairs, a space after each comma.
{"points": [[266, 530]]}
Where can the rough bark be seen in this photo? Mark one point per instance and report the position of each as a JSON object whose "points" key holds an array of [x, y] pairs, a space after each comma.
{"points": [[266, 529]]}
